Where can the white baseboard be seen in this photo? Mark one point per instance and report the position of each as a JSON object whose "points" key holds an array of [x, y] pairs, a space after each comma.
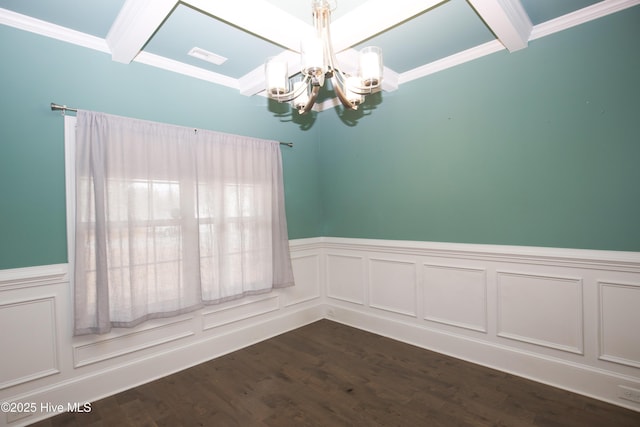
{"points": [[580, 379]]}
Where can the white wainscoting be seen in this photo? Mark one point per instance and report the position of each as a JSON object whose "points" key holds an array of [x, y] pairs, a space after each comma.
{"points": [[569, 318], [43, 364]]}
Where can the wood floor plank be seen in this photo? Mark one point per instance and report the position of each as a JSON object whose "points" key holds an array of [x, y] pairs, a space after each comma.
{"points": [[328, 374]]}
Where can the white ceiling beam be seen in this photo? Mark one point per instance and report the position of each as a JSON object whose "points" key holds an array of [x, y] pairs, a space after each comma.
{"points": [[374, 17], [134, 26], [507, 19], [258, 17]]}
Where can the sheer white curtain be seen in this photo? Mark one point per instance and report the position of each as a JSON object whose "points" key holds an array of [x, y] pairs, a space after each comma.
{"points": [[169, 219]]}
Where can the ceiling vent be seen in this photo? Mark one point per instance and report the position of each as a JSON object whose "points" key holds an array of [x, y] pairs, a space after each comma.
{"points": [[205, 55]]}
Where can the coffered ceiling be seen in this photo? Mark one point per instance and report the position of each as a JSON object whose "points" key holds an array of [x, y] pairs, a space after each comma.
{"points": [[417, 37]]}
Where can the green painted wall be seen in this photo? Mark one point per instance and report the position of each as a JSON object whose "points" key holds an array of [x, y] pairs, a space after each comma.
{"points": [[36, 71], [539, 147]]}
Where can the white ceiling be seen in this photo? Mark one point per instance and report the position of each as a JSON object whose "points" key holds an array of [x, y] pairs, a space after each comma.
{"points": [[417, 37]]}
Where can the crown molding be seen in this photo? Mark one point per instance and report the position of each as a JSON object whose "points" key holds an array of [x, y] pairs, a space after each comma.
{"points": [[43, 28], [47, 29], [451, 61], [589, 13]]}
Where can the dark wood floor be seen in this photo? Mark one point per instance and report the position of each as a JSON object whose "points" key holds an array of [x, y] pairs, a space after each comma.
{"points": [[327, 374]]}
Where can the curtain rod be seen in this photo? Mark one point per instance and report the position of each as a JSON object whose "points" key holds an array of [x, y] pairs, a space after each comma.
{"points": [[63, 108]]}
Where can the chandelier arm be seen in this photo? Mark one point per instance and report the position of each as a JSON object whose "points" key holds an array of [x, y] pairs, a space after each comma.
{"points": [[293, 94], [312, 100]]}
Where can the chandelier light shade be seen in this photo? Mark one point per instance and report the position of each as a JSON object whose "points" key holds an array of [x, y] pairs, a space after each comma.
{"points": [[371, 66], [277, 77], [318, 63]]}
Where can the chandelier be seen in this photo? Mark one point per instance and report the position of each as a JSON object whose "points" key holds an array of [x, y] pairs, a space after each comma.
{"points": [[318, 63]]}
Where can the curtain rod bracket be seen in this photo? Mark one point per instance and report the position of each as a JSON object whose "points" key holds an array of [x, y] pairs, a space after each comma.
{"points": [[63, 108]]}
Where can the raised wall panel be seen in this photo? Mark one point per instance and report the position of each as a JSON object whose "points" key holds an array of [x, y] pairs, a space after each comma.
{"points": [[306, 273], [239, 310], [28, 341], [152, 334], [542, 310], [620, 323], [345, 278], [392, 286], [455, 296]]}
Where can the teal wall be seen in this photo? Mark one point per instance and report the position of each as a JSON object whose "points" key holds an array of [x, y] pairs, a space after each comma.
{"points": [[538, 147], [36, 71]]}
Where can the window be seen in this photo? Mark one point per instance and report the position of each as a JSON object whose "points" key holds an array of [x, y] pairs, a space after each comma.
{"points": [[168, 219]]}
